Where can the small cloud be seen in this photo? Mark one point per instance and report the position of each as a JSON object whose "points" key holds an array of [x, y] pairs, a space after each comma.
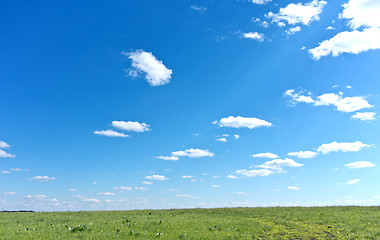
{"points": [[293, 30], [4, 154], [16, 170], [9, 193], [215, 186], [254, 172], [106, 194], [240, 193], [94, 183], [364, 116], [293, 188], [157, 178], [221, 139], [254, 35], [5, 172], [168, 158], [303, 154], [4, 144], [186, 196], [343, 147], [122, 188], [243, 122], [353, 181], [131, 126], [193, 153], [330, 28], [72, 190], [141, 188], [42, 178], [185, 176], [174, 189], [111, 133], [156, 73], [232, 176], [198, 8], [236, 136], [147, 183], [265, 155], [360, 164]]}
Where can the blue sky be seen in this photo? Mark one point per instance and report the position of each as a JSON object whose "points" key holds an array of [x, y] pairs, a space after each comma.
{"points": [[168, 104]]}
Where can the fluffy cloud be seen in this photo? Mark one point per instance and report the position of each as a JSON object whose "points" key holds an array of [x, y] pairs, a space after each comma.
{"points": [[72, 190], [360, 164], [362, 13], [156, 73], [111, 133], [147, 183], [364, 116], [88, 200], [353, 181], [131, 126], [265, 155], [242, 122], [277, 164], [141, 188], [293, 30], [4, 154], [298, 97], [168, 158], [236, 136], [4, 144], [343, 104], [42, 178], [298, 13], [157, 178], [293, 188], [353, 42], [254, 172], [232, 176], [303, 154], [343, 146], [254, 35], [193, 153], [122, 188], [359, 13]]}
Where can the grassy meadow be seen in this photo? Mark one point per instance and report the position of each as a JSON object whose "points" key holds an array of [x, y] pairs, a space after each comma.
{"points": [[223, 223]]}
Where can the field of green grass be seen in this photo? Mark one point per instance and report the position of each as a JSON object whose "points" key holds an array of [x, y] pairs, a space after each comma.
{"points": [[224, 223]]}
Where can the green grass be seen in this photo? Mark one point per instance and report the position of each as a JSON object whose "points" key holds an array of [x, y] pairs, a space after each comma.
{"points": [[225, 223]]}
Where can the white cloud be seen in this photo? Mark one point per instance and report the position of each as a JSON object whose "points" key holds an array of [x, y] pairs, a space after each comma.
{"points": [[261, 2], [278, 163], [141, 188], [353, 181], [9, 193], [185, 176], [243, 122], [254, 35], [147, 183], [4, 154], [94, 183], [131, 126], [232, 176], [293, 188], [106, 194], [157, 178], [293, 30], [173, 189], [264, 24], [362, 13], [343, 146], [72, 190], [36, 196], [221, 139], [303, 154], [198, 8], [360, 164], [89, 200], [168, 158], [156, 73], [16, 170], [265, 155], [254, 172], [298, 13], [4, 144], [215, 186], [364, 116], [122, 188], [5, 172], [193, 153], [186, 196], [330, 28], [236, 136], [111, 133], [42, 178], [298, 97], [240, 193], [353, 42]]}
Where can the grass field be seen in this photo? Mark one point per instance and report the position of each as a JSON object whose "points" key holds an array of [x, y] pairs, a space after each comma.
{"points": [[225, 223]]}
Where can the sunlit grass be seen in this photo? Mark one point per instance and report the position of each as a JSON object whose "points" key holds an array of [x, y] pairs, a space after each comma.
{"points": [[226, 223]]}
